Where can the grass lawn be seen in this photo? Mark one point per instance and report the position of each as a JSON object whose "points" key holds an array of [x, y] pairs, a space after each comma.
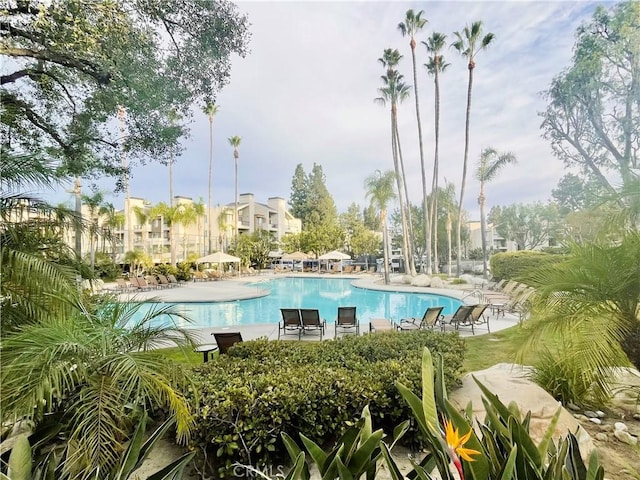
{"points": [[484, 351]]}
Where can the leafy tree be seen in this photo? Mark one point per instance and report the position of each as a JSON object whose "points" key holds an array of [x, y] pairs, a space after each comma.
{"points": [[574, 193], [210, 110], [113, 220], [380, 191], [292, 242], [74, 63], [321, 238], [393, 92], [310, 200], [528, 225], [468, 44], [593, 114], [253, 248], [489, 165], [435, 43], [365, 242], [298, 200], [370, 219], [414, 22]]}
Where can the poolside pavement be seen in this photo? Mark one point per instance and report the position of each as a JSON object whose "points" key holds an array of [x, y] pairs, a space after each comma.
{"points": [[245, 288]]}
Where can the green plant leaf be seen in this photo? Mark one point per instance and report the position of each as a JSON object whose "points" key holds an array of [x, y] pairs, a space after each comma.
{"points": [[343, 471], [316, 453], [294, 452], [363, 454], [416, 405], [400, 431], [132, 453], [299, 469], [428, 399], [509, 466], [421, 473], [20, 463], [574, 462], [595, 472], [394, 471], [439, 386], [175, 470], [543, 446]]}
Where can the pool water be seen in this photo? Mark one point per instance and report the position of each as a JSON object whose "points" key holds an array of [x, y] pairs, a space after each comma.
{"points": [[324, 294]]}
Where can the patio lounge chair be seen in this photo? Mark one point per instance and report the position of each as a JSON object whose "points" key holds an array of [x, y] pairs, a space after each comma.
{"points": [[430, 319], [140, 283], [164, 281], [174, 281], [123, 286], [478, 316], [347, 320], [380, 325], [291, 322], [462, 316], [311, 321], [227, 340]]}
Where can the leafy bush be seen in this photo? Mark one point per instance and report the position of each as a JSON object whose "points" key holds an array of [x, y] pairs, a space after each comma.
{"points": [[106, 268], [513, 265], [247, 398]]}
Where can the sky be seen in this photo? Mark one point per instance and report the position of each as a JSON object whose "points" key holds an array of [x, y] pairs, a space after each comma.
{"points": [[304, 95]]}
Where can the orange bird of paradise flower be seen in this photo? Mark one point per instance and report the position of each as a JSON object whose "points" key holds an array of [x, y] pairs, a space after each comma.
{"points": [[457, 450]]}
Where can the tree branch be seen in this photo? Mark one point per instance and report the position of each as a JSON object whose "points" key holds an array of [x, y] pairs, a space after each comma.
{"points": [[9, 99]]}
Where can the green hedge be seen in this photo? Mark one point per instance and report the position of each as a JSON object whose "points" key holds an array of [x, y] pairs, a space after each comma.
{"points": [[247, 398], [512, 265]]}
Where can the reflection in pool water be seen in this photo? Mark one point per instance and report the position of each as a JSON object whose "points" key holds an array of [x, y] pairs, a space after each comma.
{"points": [[325, 294]]}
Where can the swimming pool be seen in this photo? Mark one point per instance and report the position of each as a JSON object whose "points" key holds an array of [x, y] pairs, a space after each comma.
{"points": [[325, 294]]}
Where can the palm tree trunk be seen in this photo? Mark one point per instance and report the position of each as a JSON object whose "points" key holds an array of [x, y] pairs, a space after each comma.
{"points": [[425, 203], [78, 228], [209, 225], [172, 246], [464, 175], [235, 214], [385, 245], [410, 237], [483, 229], [403, 215], [434, 183], [448, 243]]}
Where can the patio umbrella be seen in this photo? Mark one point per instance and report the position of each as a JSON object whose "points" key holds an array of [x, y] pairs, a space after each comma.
{"points": [[334, 255], [295, 256], [218, 257]]}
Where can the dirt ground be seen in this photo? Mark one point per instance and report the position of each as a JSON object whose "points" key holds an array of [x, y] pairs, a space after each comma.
{"points": [[620, 461]]}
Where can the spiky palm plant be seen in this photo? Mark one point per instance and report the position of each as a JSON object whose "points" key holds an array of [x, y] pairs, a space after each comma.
{"points": [[92, 371], [593, 298], [380, 191]]}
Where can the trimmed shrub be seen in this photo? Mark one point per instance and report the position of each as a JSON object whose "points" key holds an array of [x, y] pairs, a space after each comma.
{"points": [[245, 399], [513, 265]]}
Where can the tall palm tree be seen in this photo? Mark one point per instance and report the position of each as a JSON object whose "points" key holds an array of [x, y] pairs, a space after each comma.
{"points": [[412, 24], [92, 374], [199, 210], [393, 92], [490, 164], [223, 226], [169, 216], [211, 109], [235, 143], [142, 215], [93, 203], [435, 43], [379, 188], [469, 43], [113, 220], [173, 119]]}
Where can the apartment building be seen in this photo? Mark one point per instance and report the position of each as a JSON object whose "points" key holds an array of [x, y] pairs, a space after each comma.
{"points": [[144, 229]]}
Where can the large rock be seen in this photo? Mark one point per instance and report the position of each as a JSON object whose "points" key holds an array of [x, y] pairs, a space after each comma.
{"points": [[397, 279], [626, 388], [421, 281], [508, 382], [436, 282], [407, 279]]}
